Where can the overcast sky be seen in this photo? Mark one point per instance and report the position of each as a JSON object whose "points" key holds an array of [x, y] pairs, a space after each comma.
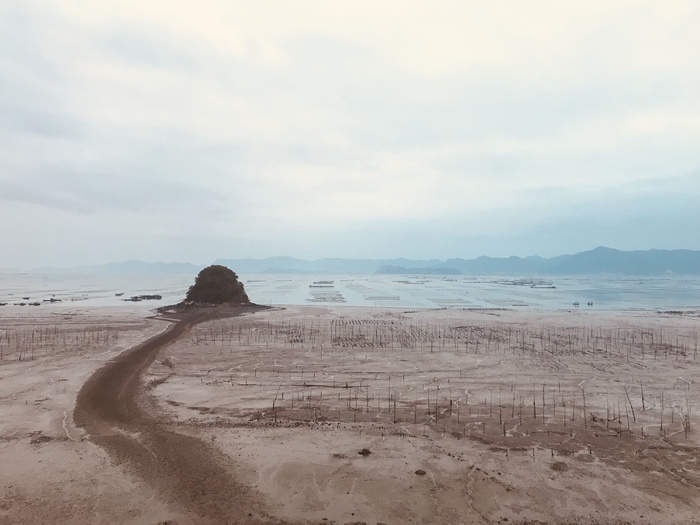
{"points": [[187, 131]]}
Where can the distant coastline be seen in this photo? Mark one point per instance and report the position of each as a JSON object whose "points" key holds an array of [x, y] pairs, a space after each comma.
{"points": [[598, 261]]}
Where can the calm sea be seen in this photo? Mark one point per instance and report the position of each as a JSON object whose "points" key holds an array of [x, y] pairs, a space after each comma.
{"points": [[391, 291]]}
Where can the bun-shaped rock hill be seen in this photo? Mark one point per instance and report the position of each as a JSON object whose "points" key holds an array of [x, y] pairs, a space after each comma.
{"points": [[217, 285]]}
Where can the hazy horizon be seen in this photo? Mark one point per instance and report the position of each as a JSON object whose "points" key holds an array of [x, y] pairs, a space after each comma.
{"points": [[191, 132], [223, 257], [396, 259]]}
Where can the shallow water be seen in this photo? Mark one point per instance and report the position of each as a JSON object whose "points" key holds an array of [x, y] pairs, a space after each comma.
{"points": [[606, 293], [392, 291]]}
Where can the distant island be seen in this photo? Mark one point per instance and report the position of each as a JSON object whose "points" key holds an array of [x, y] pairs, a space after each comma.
{"points": [[600, 260]]}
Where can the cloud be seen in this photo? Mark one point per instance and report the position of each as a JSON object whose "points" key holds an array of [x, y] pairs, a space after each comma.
{"points": [[362, 128]]}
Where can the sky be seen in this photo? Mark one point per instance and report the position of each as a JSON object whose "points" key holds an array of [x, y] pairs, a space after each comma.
{"points": [[190, 131]]}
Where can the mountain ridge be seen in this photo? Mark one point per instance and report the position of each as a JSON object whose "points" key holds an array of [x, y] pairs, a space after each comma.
{"points": [[596, 261], [600, 260]]}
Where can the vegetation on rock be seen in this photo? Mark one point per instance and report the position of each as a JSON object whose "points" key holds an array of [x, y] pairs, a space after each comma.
{"points": [[217, 284]]}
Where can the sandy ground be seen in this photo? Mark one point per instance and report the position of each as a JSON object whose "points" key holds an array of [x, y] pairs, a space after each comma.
{"points": [[49, 472], [461, 416]]}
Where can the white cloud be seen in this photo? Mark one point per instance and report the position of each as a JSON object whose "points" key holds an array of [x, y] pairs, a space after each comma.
{"points": [[257, 122]]}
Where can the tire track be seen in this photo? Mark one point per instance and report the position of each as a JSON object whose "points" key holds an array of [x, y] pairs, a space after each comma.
{"points": [[193, 476]]}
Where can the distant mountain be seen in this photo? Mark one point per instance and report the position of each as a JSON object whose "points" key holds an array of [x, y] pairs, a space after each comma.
{"points": [[292, 265], [649, 262], [599, 260], [482, 265], [128, 268]]}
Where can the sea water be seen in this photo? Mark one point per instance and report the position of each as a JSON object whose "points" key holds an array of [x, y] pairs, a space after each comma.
{"points": [[603, 292]]}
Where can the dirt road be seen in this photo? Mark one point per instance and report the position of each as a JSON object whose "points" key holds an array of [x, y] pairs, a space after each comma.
{"points": [[194, 477]]}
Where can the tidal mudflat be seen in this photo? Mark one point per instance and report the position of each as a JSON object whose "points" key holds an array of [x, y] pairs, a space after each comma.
{"points": [[338, 414]]}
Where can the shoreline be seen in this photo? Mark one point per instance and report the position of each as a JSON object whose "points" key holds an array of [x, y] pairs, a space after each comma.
{"points": [[607, 293]]}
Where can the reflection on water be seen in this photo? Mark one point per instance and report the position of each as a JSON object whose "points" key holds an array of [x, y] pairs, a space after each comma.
{"points": [[550, 293]]}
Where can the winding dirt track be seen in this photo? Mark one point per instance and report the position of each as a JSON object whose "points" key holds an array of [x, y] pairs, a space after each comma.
{"points": [[193, 476]]}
